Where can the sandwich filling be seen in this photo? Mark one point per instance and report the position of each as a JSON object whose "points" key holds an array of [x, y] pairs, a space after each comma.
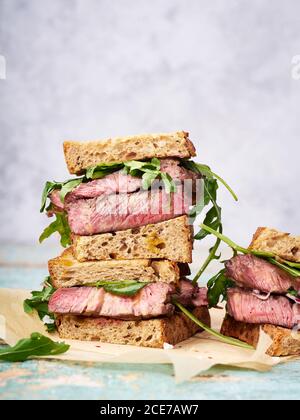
{"points": [[119, 201], [243, 305], [153, 300], [265, 294]]}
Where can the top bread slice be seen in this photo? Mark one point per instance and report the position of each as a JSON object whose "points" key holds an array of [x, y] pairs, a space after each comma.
{"points": [[66, 271], [281, 244], [82, 155]]}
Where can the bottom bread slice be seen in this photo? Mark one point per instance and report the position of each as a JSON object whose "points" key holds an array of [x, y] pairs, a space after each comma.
{"points": [[145, 333], [285, 342]]}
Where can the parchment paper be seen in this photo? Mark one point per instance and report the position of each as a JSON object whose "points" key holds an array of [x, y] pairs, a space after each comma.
{"points": [[188, 358]]}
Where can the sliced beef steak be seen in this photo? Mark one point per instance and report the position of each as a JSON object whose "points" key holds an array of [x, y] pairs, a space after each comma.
{"points": [[152, 301], [190, 295], [255, 273], [109, 213], [119, 182], [244, 306]]}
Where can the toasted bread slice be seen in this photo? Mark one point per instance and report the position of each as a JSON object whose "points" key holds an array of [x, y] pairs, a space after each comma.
{"points": [[82, 155], [281, 244], [149, 333], [171, 240], [285, 342], [66, 271]]}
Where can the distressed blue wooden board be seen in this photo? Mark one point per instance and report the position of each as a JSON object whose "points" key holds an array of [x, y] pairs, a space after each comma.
{"points": [[22, 267]]}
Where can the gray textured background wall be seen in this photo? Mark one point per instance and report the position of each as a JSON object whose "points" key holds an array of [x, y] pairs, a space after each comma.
{"points": [[220, 69]]}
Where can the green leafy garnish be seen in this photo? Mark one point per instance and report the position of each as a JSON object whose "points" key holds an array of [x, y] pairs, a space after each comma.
{"points": [[149, 171], [39, 302], [268, 256], [292, 271], [293, 292], [61, 226], [208, 173], [217, 287], [292, 264], [213, 217], [48, 189], [36, 345], [223, 338], [102, 170], [122, 287], [64, 187], [69, 186]]}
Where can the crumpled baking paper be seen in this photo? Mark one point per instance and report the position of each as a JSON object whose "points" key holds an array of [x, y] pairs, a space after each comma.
{"points": [[188, 358]]}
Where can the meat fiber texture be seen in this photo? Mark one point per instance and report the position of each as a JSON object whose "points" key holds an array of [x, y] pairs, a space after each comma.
{"points": [[117, 202], [255, 273], [125, 211], [262, 295], [244, 306], [153, 300]]}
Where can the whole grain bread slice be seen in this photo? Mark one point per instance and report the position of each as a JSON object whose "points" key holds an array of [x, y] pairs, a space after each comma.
{"points": [[285, 342], [66, 271], [171, 240], [81, 155], [279, 243], [147, 333]]}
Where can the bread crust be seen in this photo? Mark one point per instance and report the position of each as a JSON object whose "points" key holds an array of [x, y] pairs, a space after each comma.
{"points": [[66, 271], [81, 155], [284, 343], [146, 333], [171, 240], [279, 243]]}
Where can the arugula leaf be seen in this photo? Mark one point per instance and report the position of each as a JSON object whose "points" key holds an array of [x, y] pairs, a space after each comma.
{"points": [[213, 217], [36, 345], [64, 187], [122, 287], [49, 187], [103, 169], [212, 256], [208, 173], [39, 302], [149, 171], [148, 179], [290, 263], [268, 256], [169, 184], [293, 292], [292, 271], [223, 338], [69, 186], [61, 226], [217, 287]]}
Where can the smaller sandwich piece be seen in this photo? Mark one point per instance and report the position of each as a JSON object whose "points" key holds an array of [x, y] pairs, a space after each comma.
{"points": [[262, 289], [171, 240], [82, 155], [66, 271]]}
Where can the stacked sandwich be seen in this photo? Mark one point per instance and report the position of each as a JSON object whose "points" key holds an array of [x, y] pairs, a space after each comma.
{"points": [[265, 293], [126, 219]]}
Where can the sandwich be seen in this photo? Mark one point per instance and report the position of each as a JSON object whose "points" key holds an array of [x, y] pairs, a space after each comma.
{"points": [[126, 223], [262, 287]]}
